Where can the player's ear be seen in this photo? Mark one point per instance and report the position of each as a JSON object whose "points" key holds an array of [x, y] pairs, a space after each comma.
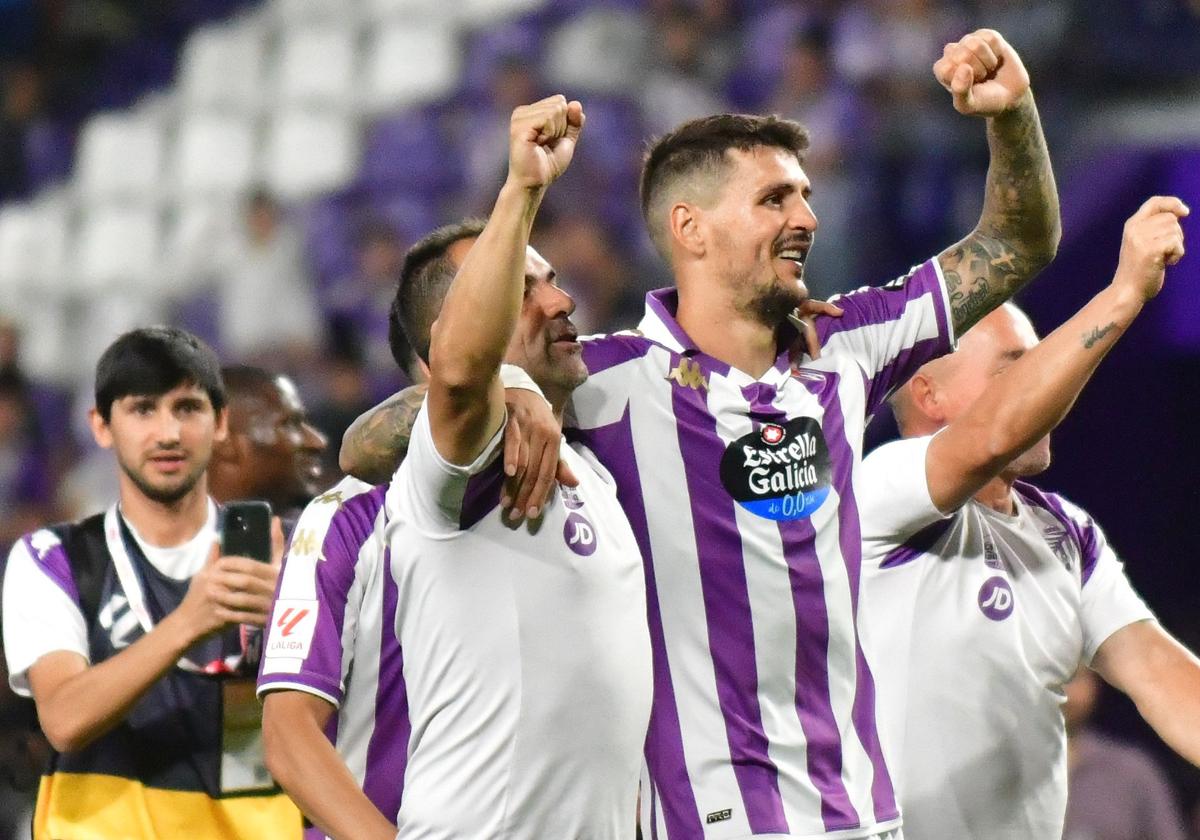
{"points": [[926, 397], [100, 430], [684, 221]]}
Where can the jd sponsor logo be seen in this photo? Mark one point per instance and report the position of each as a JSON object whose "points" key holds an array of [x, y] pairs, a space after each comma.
{"points": [[780, 471], [996, 598], [579, 534]]}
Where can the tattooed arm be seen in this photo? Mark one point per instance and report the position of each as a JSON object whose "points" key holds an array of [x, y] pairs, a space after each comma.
{"points": [[377, 441], [1018, 231], [1035, 388]]}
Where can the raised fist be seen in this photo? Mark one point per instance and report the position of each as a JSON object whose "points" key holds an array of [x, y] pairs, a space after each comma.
{"points": [[541, 140], [1153, 240], [983, 73]]}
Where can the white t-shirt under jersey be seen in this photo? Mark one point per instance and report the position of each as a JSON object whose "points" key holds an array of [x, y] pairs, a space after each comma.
{"points": [[972, 624], [526, 654]]}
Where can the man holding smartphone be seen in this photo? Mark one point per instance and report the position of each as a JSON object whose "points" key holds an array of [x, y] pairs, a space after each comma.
{"points": [[124, 626]]}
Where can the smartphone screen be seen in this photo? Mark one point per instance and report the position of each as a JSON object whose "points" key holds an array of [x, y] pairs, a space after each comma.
{"points": [[246, 530]]}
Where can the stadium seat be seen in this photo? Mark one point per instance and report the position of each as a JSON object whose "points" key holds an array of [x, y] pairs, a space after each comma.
{"points": [[291, 12], [410, 151], [317, 66], [306, 153], [424, 10], [485, 12], [409, 62], [33, 241], [213, 156], [120, 157], [118, 248], [222, 67]]}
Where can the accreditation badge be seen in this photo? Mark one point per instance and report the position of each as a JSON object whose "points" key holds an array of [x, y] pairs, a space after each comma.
{"points": [[243, 761]]}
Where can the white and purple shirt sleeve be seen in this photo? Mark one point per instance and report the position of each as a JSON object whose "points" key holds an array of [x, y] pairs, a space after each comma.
{"points": [[893, 495], [311, 634], [41, 607], [892, 330]]}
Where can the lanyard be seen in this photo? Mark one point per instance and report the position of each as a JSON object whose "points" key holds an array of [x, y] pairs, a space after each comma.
{"points": [[135, 593]]}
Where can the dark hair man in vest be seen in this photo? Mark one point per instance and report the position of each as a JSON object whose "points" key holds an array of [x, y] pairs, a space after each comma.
{"points": [[124, 626]]}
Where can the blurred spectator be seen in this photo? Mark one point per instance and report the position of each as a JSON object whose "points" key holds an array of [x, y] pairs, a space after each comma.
{"points": [[359, 303], [347, 394], [810, 92], [589, 268], [267, 304], [688, 69], [484, 127], [601, 49], [27, 475], [272, 451], [1115, 791], [20, 103]]}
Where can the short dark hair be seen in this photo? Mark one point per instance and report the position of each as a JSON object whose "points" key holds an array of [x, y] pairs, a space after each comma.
{"points": [[150, 361], [241, 380], [700, 146], [425, 278]]}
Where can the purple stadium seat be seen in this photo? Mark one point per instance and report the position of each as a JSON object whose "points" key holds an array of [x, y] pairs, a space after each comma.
{"points": [[489, 47], [412, 152]]}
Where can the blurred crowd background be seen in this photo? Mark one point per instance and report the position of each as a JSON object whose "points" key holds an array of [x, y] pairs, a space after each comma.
{"points": [[254, 171]]}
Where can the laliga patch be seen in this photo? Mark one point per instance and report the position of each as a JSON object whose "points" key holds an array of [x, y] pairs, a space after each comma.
{"points": [[292, 627], [780, 471]]}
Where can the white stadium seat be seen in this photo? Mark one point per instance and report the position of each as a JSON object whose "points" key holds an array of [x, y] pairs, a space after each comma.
{"points": [[222, 67], [120, 157], [306, 153], [423, 10], [214, 155], [291, 12], [408, 63], [317, 66], [33, 242], [118, 247]]}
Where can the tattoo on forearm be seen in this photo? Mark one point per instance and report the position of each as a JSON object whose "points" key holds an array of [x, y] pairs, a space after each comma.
{"points": [[1097, 333], [1019, 227], [377, 445]]}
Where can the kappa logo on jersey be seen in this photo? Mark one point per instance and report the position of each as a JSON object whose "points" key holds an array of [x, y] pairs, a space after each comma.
{"points": [[779, 472], [996, 598], [292, 627], [689, 375], [304, 543]]}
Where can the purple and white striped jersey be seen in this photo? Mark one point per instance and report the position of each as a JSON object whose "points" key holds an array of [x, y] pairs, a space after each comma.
{"points": [[333, 634], [741, 493]]}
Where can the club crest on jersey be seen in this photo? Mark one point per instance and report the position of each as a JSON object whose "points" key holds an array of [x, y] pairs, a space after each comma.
{"points": [[996, 598], [780, 471]]}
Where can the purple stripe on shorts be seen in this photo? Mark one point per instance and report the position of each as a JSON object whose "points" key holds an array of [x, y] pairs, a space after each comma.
{"points": [[1087, 536], [916, 545], [613, 445], [863, 712], [604, 352], [54, 565], [727, 611], [387, 752], [482, 494]]}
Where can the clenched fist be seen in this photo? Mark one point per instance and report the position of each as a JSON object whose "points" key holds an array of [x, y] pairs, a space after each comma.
{"points": [[983, 73], [541, 140], [1153, 240]]}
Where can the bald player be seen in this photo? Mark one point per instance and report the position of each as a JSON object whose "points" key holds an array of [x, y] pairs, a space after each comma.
{"points": [[982, 594], [272, 451]]}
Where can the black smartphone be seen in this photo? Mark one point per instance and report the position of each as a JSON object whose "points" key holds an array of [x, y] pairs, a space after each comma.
{"points": [[246, 530]]}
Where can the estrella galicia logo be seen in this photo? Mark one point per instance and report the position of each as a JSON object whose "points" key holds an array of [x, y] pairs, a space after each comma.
{"points": [[780, 471], [996, 598]]}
